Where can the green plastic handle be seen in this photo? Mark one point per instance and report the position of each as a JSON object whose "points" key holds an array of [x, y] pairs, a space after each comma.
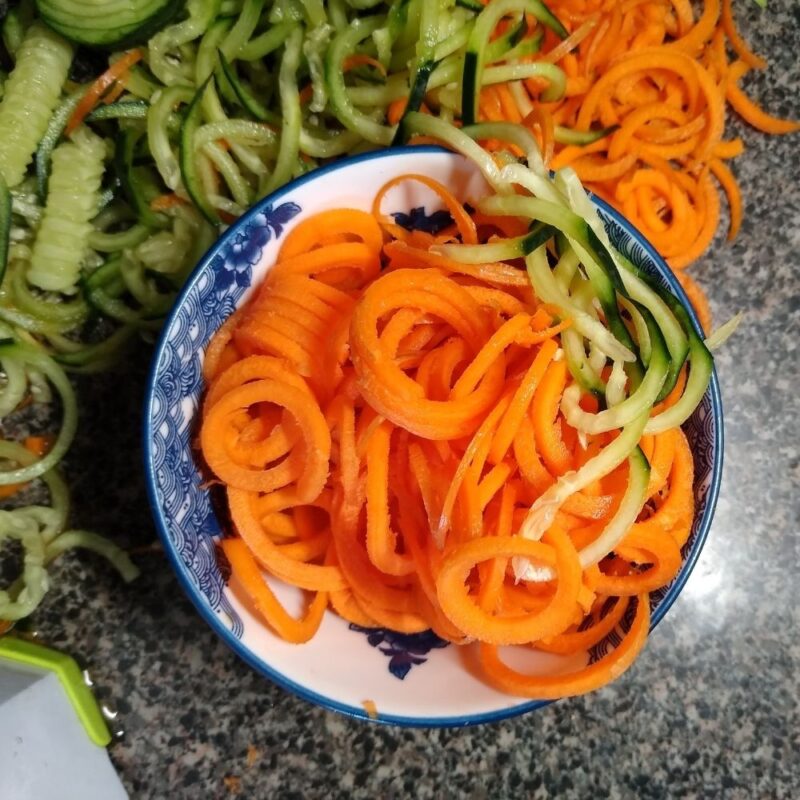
{"points": [[68, 672]]}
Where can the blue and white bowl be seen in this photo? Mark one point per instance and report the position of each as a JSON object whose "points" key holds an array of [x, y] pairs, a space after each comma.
{"points": [[413, 680]]}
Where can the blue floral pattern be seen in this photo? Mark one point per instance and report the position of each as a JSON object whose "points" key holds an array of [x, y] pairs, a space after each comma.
{"points": [[190, 520], [405, 650], [418, 220], [234, 269]]}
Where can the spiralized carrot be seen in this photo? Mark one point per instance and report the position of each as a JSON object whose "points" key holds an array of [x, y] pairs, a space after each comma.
{"points": [[751, 112], [585, 680], [698, 300], [115, 74], [382, 455], [661, 76], [737, 43], [246, 570]]}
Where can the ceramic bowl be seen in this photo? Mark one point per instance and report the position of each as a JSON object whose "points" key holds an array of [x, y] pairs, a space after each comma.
{"points": [[412, 679]]}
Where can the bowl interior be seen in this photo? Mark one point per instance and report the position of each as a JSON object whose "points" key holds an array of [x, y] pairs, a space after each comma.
{"points": [[415, 680]]}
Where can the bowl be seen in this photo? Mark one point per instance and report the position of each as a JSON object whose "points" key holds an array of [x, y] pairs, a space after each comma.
{"points": [[415, 680]]}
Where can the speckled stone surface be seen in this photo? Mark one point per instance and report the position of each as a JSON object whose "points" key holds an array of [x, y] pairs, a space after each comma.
{"points": [[710, 710]]}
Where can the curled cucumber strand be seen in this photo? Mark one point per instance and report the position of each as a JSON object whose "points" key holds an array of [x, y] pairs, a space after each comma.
{"points": [[31, 356]]}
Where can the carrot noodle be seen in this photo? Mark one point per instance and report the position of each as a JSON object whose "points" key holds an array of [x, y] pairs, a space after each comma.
{"points": [[698, 300], [113, 77], [166, 201], [382, 417]]}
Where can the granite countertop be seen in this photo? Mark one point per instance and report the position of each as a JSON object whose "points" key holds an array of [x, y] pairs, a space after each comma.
{"points": [[711, 708]]}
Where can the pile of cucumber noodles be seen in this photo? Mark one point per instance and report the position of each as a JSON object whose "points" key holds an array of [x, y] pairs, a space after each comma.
{"points": [[226, 101]]}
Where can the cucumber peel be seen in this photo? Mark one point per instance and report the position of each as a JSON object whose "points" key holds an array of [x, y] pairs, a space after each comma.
{"points": [[107, 23]]}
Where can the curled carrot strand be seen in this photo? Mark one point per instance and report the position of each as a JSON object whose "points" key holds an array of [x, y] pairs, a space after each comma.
{"points": [[116, 73]]}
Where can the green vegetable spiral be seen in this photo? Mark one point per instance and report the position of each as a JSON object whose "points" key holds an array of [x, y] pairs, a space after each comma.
{"points": [[31, 95], [62, 241]]}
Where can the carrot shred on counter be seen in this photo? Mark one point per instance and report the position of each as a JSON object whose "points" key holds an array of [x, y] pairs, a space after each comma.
{"points": [[382, 417], [38, 446], [370, 708], [662, 79]]}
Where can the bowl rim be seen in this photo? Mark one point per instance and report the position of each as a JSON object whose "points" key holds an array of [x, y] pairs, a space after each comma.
{"points": [[180, 569]]}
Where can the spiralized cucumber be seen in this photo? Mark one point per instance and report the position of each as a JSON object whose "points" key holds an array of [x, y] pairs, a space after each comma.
{"points": [[31, 95], [34, 580], [40, 531], [5, 225], [290, 106], [106, 23], [62, 241], [171, 71], [352, 118], [32, 357]]}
